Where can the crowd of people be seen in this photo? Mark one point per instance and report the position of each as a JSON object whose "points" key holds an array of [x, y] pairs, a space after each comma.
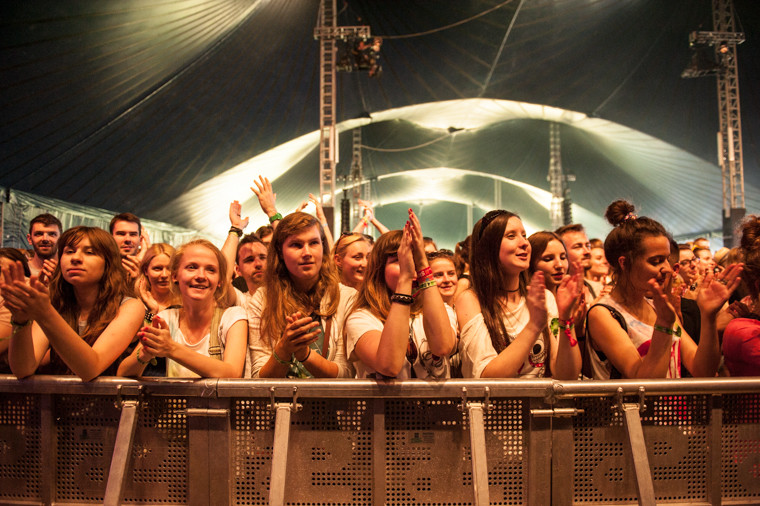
{"points": [[289, 300]]}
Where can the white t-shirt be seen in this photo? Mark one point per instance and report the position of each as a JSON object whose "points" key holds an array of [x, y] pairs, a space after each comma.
{"points": [[242, 298], [259, 349], [426, 365], [477, 350], [171, 317]]}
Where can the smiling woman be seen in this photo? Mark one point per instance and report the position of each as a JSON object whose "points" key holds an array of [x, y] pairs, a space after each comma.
{"points": [[296, 318], [203, 337], [634, 331]]}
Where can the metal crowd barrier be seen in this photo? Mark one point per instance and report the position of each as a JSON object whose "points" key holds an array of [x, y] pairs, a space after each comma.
{"points": [[319, 442]]}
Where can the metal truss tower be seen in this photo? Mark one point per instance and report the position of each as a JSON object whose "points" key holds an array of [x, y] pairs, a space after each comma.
{"points": [[561, 210], [328, 33], [724, 39]]}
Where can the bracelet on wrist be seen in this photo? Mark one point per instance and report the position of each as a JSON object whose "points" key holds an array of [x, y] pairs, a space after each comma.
{"points": [[283, 362], [14, 323], [149, 316], [567, 327], [425, 273], [423, 286], [235, 230], [670, 332], [302, 360], [402, 298], [275, 217]]}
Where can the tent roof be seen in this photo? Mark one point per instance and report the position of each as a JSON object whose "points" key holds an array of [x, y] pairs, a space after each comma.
{"points": [[170, 109]]}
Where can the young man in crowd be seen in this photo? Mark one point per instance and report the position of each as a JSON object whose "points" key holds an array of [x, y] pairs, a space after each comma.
{"points": [[44, 231], [126, 229], [250, 262]]}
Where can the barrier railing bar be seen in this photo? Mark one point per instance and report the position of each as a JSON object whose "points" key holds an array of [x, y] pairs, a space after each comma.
{"points": [[715, 439], [378, 453], [278, 477], [562, 454], [478, 454], [632, 421], [122, 452]]}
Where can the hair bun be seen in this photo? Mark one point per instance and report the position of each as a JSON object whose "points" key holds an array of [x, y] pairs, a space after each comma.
{"points": [[751, 233], [618, 212]]}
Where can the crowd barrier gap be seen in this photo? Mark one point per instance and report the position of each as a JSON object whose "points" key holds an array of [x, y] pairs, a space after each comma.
{"points": [[323, 442]]}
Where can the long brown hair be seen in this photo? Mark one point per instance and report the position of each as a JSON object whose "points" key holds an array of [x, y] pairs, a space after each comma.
{"points": [[538, 243], [488, 278], [112, 288], [374, 293], [281, 297]]}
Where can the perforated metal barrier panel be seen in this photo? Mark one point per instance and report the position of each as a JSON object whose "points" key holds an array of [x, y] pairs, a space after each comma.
{"points": [[396, 443]]}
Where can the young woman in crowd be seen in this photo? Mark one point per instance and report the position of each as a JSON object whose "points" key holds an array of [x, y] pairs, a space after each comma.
{"points": [[634, 332], [153, 284], [86, 319], [296, 318], [444, 273], [202, 338], [350, 256], [741, 338], [462, 263], [504, 318], [399, 328], [548, 255]]}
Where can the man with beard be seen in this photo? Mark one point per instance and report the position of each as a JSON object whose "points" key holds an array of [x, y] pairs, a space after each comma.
{"points": [[44, 231]]}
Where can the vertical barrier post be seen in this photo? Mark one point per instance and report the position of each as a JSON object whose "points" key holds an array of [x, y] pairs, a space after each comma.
{"points": [[122, 451], [378, 452], [637, 444], [475, 411], [714, 442], [278, 477]]}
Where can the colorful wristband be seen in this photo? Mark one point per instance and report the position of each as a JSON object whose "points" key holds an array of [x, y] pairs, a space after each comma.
{"points": [[275, 217], [670, 332], [567, 327], [235, 230], [402, 298]]}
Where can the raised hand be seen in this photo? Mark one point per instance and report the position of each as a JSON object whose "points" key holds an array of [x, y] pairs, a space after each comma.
{"points": [[536, 301], [666, 313], [263, 191], [405, 254], [235, 219], [418, 243], [715, 289], [132, 265], [570, 295], [141, 287], [48, 269]]}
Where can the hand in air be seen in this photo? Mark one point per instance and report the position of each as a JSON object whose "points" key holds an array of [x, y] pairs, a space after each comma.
{"points": [[263, 191], [235, 219], [570, 295], [48, 269], [132, 265], [405, 254], [536, 300], [715, 289], [661, 301], [418, 243]]}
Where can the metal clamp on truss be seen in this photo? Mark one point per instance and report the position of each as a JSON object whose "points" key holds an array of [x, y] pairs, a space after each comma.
{"points": [[632, 419]]}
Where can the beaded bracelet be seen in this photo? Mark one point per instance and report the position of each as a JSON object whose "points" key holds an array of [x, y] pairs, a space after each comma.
{"points": [[148, 316], [402, 298], [275, 217], [152, 361], [670, 332], [567, 327]]}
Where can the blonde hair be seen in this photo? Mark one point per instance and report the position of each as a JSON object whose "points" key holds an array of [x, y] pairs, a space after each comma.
{"points": [[220, 294], [281, 297], [341, 246]]}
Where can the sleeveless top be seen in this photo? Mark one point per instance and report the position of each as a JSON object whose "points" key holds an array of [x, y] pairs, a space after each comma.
{"points": [[640, 334]]}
